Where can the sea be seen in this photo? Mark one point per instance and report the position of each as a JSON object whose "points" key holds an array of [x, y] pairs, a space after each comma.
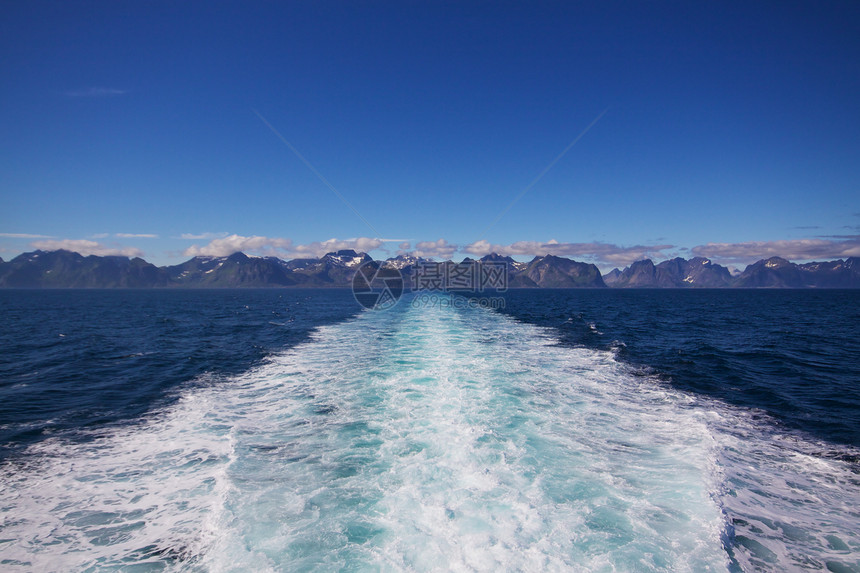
{"points": [[537, 430]]}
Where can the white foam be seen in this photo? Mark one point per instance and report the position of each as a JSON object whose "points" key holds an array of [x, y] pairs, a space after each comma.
{"points": [[142, 494], [792, 506], [422, 440]]}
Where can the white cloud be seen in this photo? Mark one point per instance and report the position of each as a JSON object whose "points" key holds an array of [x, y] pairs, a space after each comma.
{"points": [[795, 249], [430, 249], [24, 236], [136, 236], [234, 243], [86, 247], [601, 253], [279, 247], [320, 248]]}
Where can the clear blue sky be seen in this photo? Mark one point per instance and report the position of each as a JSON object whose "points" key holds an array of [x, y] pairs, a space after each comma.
{"points": [[731, 129]]}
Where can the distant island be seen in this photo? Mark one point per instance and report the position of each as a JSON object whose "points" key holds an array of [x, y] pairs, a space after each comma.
{"points": [[65, 269]]}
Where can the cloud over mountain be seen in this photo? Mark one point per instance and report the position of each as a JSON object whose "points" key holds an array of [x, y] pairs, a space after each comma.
{"points": [[320, 248], [430, 249], [600, 253], [278, 247], [226, 246], [796, 249], [86, 247]]}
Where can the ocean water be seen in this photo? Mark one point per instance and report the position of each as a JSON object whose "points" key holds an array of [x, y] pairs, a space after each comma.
{"points": [[290, 431], [791, 353]]}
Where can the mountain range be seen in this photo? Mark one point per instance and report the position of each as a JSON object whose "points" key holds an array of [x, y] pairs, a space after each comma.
{"points": [[65, 269]]}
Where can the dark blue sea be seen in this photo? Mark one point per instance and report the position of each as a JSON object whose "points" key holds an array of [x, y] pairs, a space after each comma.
{"points": [[291, 430]]}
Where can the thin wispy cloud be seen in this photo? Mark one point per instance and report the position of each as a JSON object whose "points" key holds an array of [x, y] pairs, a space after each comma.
{"points": [[86, 247], [95, 92], [202, 236], [24, 236], [124, 235]]}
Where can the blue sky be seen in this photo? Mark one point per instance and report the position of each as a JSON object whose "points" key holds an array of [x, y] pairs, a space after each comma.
{"points": [[728, 129]]}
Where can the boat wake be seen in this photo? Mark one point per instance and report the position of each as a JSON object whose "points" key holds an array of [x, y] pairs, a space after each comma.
{"points": [[432, 439]]}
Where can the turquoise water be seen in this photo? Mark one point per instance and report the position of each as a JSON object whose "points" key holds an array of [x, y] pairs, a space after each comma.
{"points": [[432, 439]]}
